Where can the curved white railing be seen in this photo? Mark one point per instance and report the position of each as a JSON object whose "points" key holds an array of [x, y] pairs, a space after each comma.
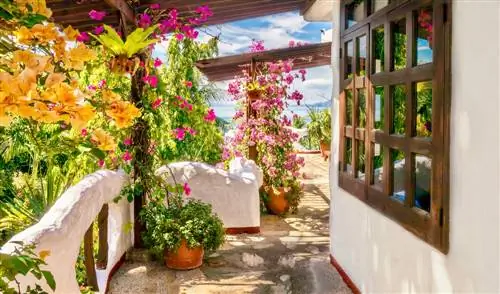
{"points": [[62, 229]]}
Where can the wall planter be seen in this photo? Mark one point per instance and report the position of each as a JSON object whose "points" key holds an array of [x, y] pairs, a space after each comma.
{"points": [[277, 202], [184, 258]]}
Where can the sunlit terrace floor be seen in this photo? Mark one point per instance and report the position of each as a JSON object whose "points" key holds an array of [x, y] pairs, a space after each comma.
{"points": [[290, 255]]}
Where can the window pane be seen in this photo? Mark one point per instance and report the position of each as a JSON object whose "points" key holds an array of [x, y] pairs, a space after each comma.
{"points": [[424, 109], [349, 106], [355, 12], [360, 165], [379, 4], [378, 108], [361, 55], [424, 36], [362, 108], [349, 60], [378, 162], [399, 109], [347, 156], [378, 49], [423, 173], [399, 44], [398, 181]]}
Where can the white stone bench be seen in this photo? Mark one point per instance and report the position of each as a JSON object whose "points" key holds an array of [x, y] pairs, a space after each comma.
{"points": [[233, 194]]}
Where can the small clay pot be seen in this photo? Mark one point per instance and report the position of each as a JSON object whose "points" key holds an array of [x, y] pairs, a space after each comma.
{"points": [[277, 202], [184, 258]]}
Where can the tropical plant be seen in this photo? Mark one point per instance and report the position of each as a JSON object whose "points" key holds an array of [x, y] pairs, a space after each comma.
{"points": [[319, 127], [24, 261]]}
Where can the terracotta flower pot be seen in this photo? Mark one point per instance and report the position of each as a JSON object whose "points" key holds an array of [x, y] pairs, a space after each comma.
{"points": [[185, 258], [277, 202], [325, 149]]}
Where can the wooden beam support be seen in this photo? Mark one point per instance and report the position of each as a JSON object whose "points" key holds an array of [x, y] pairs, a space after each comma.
{"points": [[123, 7]]}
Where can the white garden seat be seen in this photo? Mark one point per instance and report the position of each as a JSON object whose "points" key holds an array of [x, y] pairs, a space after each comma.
{"points": [[233, 194]]}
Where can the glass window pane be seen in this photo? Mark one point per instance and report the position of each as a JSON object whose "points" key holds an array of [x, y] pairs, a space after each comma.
{"points": [[347, 156], [378, 162], [399, 44], [354, 12], [360, 165], [379, 4], [362, 108], [361, 55], [378, 106], [398, 180], [398, 109], [349, 60], [349, 105], [423, 174], [378, 49], [424, 36], [424, 109]]}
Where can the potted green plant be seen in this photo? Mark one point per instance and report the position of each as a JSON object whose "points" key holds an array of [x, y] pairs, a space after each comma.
{"points": [[181, 229], [319, 129]]}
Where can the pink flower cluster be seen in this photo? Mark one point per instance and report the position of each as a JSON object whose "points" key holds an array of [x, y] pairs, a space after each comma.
{"points": [[210, 116], [183, 103], [180, 133], [152, 81]]}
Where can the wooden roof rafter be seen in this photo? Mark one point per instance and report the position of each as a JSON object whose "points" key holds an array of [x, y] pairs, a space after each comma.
{"points": [[228, 67]]}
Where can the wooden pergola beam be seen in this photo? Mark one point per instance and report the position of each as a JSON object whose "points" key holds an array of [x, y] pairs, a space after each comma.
{"points": [[124, 9]]}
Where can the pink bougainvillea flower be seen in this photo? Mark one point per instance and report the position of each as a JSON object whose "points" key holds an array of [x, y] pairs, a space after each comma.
{"points": [[84, 132], [97, 15], [180, 133], [99, 30], [179, 36], [92, 87], [155, 6], [187, 189], [291, 43], [189, 32], [100, 163], [204, 12], [127, 141], [156, 103], [188, 84], [257, 46], [144, 20], [83, 37], [238, 114], [194, 21], [210, 116], [127, 156], [151, 80], [302, 72], [101, 84], [157, 62]]}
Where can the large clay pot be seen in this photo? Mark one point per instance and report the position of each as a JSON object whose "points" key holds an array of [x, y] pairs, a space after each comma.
{"points": [[277, 202], [325, 149], [185, 258]]}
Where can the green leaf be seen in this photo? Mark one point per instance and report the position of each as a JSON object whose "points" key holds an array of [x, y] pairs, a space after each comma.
{"points": [[50, 279], [20, 265], [98, 153]]}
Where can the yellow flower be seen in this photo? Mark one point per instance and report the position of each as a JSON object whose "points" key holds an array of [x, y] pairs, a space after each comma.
{"points": [[109, 96], [123, 113], [76, 57], [37, 6], [54, 79], [66, 95], [81, 115], [71, 33], [43, 254], [39, 33], [103, 140]]}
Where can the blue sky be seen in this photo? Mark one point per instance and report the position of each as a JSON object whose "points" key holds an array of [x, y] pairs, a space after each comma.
{"points": [[276, 31]]}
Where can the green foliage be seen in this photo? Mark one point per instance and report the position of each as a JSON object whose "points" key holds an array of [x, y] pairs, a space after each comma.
{"points": [[24, 262], [319, 128], [135, 42], [192, 221]]}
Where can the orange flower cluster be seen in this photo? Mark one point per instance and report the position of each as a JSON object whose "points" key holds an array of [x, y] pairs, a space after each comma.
{"points": [[38, 81]]}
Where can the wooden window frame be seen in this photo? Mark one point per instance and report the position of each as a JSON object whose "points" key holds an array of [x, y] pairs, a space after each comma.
{"points": [[432, 226]]}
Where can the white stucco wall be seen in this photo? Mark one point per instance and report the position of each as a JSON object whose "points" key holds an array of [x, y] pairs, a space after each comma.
{"points": [[382, 257], [61, 230]]}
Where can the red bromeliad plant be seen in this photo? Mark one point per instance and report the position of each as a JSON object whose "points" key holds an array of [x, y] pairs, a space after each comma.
{"points": [[269, 93]]}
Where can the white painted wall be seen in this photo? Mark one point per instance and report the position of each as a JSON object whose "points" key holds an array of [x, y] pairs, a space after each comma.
{"points": [[382, 257], [61, 230]]}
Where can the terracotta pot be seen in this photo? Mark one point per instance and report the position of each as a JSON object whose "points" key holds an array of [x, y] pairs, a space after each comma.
{"points": [[325, 148], [185, 258], [277, 202]]}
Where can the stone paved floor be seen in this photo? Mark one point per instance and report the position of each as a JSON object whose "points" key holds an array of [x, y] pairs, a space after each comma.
{"points": [[290, 255]]}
